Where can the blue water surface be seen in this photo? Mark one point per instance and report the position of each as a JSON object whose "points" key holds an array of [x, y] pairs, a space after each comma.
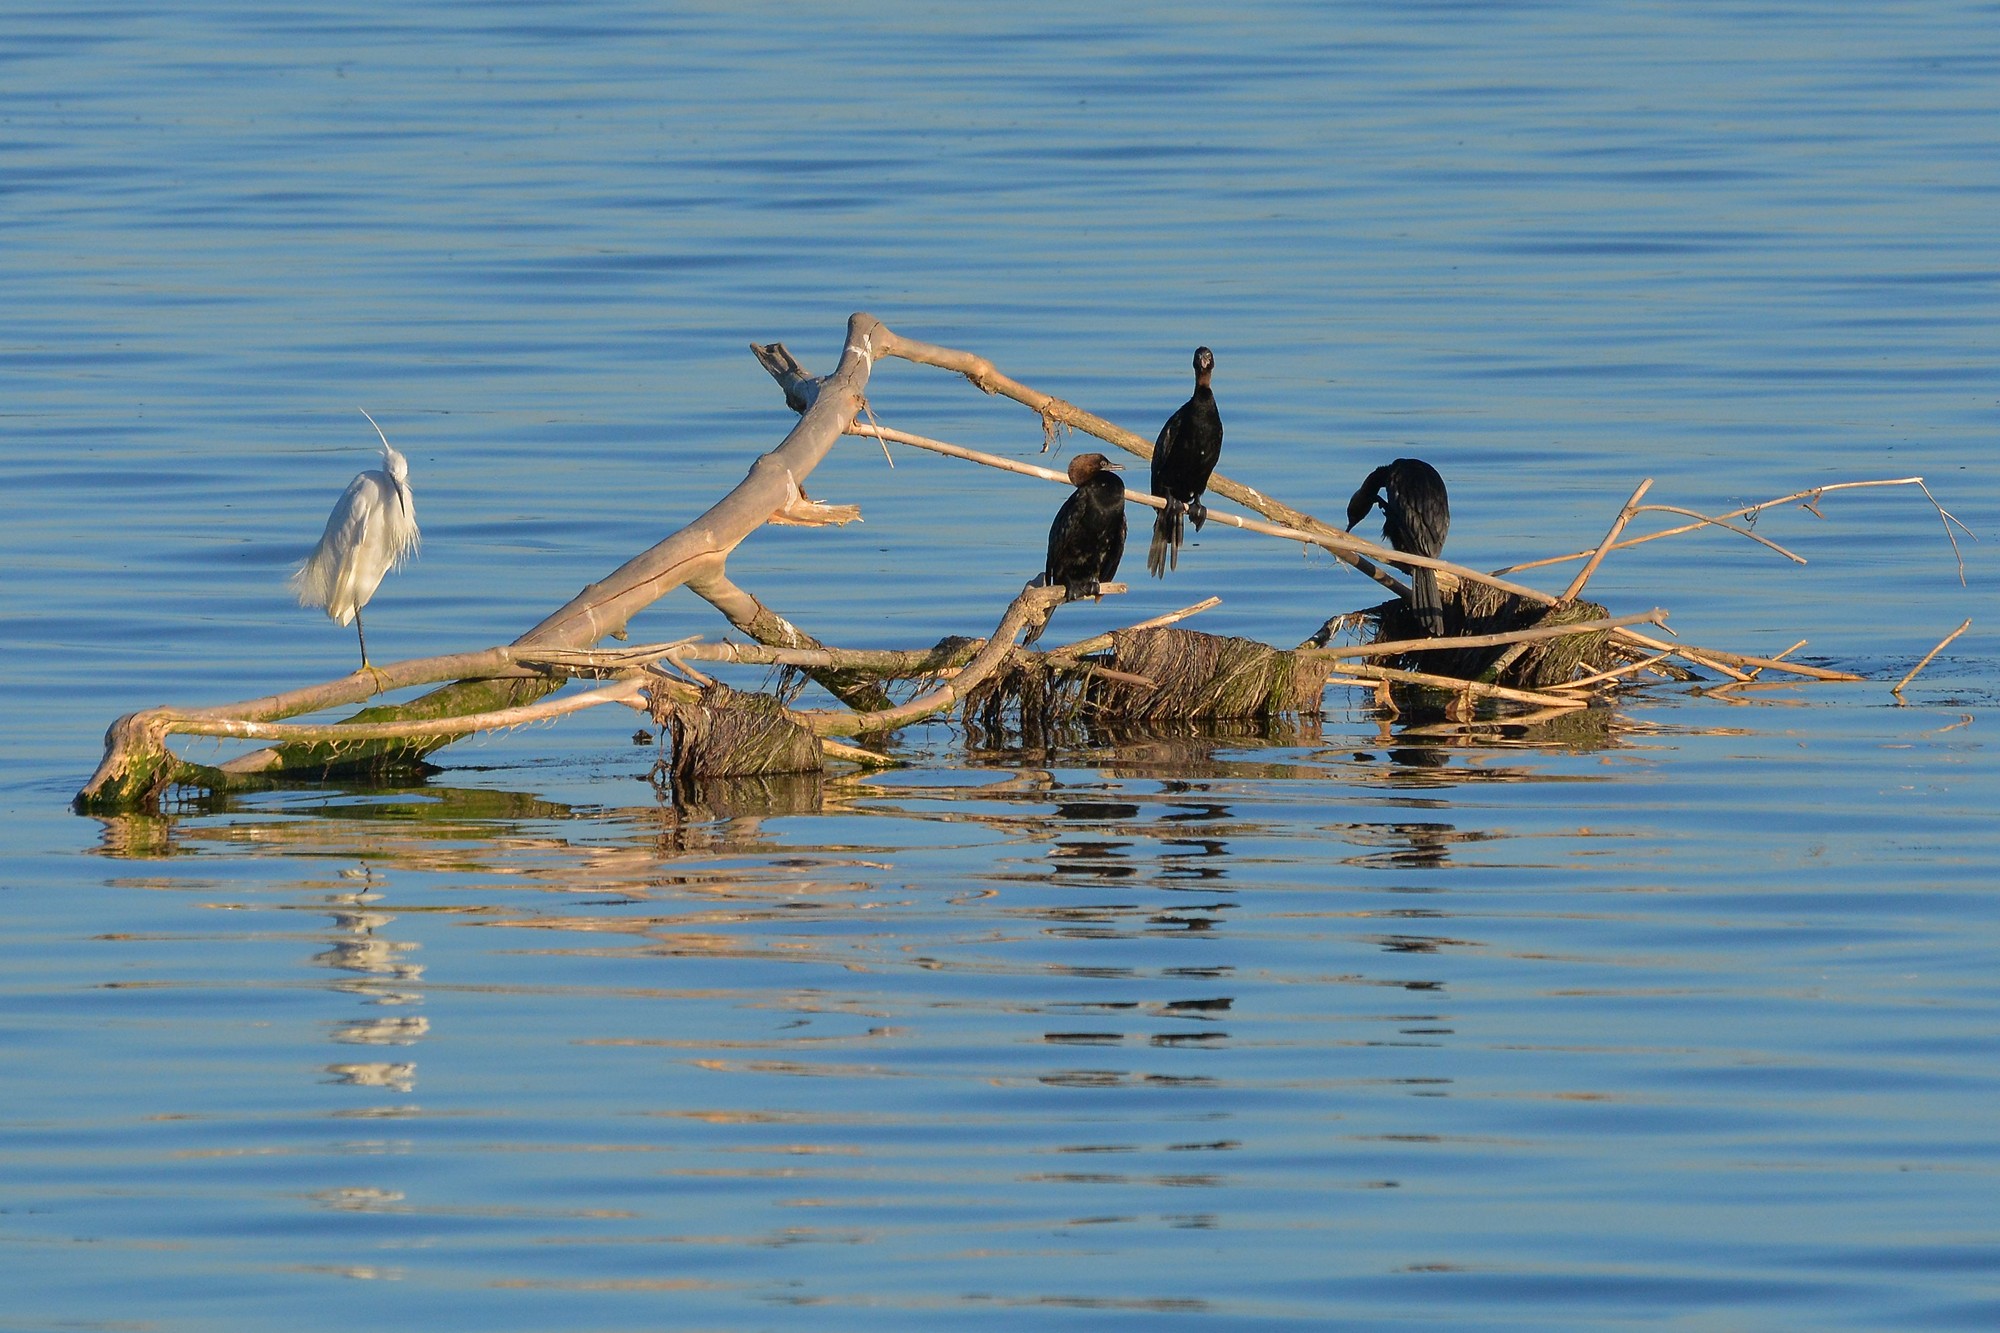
{"points": [[1681, 1015]]}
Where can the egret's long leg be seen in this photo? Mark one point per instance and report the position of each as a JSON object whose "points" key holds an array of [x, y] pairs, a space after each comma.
{"points": [[364, 651]]}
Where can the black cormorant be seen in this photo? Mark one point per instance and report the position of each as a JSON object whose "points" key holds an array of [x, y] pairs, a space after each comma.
{"points": [[1183, 457], [1088, 537], [1416, 515]]}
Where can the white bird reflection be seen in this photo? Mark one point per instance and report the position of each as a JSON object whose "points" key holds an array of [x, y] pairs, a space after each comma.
{"points": [[394, 1077], [380, 967]]}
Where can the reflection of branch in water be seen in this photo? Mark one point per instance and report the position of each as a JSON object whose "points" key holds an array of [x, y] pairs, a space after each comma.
{"points": [[1409, 845], [1092, 860]]}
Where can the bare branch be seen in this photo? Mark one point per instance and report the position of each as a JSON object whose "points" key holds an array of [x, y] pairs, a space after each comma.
{"points": [[1947, 518], [1097, 643], [1357, 674], [768, 627], [1535, 634], [1897, 688], [1706, 521], [1615, 673], [1604, 547], [999, 646], [1808, 497], [1341, 544]]}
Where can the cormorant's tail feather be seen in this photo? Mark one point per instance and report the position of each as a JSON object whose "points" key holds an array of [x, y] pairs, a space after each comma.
{"points": [[1425, 601], [1165, 552]]}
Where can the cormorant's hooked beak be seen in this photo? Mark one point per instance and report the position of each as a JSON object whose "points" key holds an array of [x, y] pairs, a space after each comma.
{"points": [[1110, 466]]}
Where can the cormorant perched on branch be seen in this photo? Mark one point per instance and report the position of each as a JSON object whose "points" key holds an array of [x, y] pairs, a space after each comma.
{"points": [[1416, 514], [1088, 537], [1183, 457]]}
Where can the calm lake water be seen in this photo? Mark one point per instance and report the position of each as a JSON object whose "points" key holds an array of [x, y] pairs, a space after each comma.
{"points": [[1687, 1014]]}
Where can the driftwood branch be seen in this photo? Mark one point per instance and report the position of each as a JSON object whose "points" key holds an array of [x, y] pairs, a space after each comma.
{"points": [[768, 627], [1339, 543], [1806, 499], [1055, 412], [1533, 634], [1032, 601], [1356, 674], [1569, 594], [1293, 524], [1897, 689], [515, 685]]}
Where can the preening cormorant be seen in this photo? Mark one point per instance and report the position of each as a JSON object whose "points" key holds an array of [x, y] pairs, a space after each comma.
{"points": [[1416, 515], [1183, 457], [1088, 537]]}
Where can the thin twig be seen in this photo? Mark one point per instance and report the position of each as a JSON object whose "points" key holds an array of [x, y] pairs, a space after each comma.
{"points": [[1946, 517], [1604, 547], [1534, 634], [1629, 669], [1097, 643], [1341, 544], [1356, 674], [1706, 521], [1314, 533], [1809, 497], [1897, 689]]}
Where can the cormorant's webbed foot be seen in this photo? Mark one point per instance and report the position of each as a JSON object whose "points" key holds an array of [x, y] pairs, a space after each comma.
{"points": [[1197, 513]]}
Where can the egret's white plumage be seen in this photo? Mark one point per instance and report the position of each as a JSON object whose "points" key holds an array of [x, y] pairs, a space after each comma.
{"points": [[372, 530]]}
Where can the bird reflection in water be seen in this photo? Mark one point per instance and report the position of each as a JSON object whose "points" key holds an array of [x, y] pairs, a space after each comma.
{"points": [[382, 973], [1130, 1012], [1094, 859]]}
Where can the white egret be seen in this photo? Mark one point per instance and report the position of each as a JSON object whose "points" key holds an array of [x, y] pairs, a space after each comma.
{"points": [[372, 530]]}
